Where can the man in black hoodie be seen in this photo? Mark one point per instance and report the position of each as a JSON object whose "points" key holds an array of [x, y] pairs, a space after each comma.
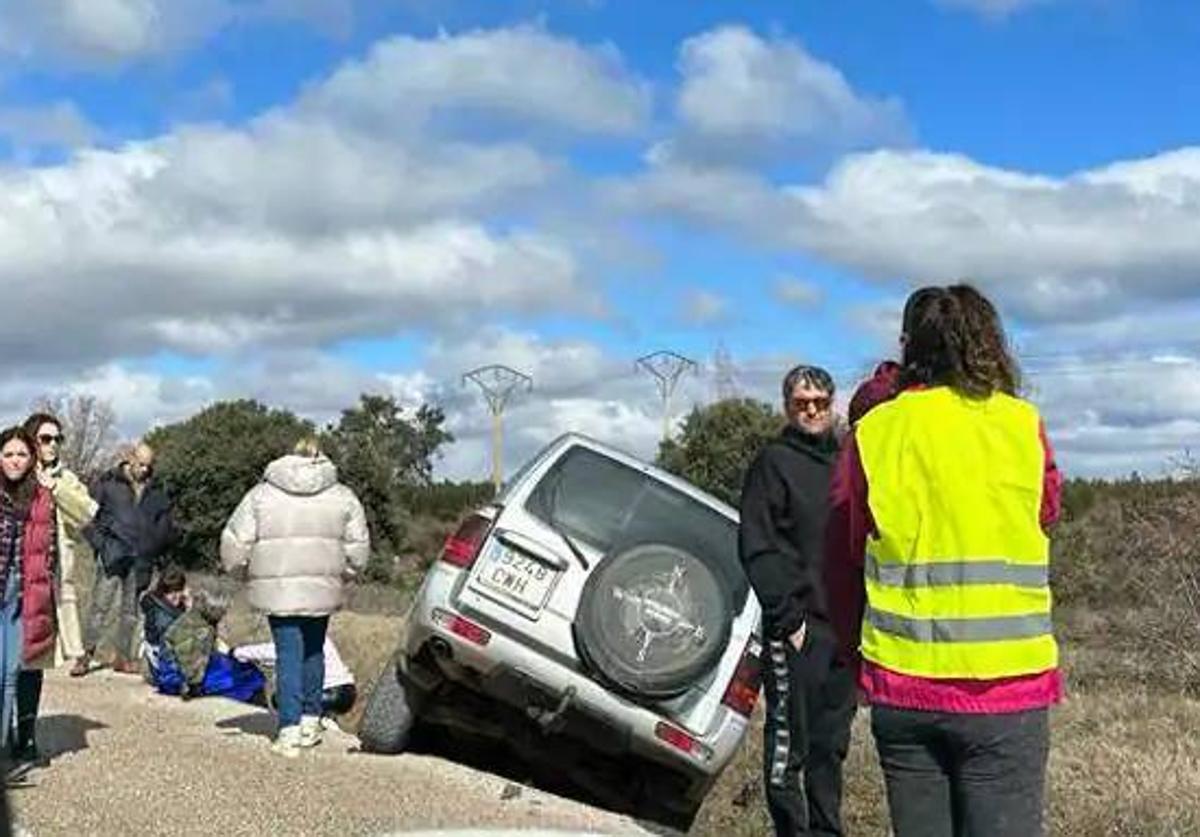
{"points": [[809, 690]]}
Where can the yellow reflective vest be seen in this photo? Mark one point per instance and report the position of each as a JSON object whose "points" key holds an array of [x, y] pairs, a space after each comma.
{"points": [[957, 574]]}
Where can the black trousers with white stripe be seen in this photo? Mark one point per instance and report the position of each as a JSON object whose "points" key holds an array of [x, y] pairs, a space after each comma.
{"points": [[810, 706]]}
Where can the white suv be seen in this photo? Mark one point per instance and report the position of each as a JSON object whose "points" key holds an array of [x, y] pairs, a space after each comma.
{"points": [[595, 617]]}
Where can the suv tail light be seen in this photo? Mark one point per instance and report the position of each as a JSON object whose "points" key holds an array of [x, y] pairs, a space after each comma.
{"points": [[462, 548], [681, 740], [460, 626], [742, 693]]}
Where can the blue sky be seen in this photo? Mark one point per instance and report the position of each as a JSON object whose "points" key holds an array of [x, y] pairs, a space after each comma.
{"points": [[301, 200]]}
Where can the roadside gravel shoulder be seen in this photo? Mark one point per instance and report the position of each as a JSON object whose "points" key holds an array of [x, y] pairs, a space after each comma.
{"points": [[128, 761]]}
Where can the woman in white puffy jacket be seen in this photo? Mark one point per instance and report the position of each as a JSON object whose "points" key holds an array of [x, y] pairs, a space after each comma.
{"points": [[301, 533]]}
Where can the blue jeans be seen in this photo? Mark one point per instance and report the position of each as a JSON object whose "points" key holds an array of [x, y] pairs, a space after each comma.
{"points": [[299, 665], [10, 654]]}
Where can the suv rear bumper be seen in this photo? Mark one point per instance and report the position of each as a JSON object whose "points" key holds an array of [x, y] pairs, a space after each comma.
{"points": [[507, 671]]}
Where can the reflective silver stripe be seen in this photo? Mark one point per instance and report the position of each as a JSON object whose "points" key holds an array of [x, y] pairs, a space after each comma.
{"points": [[984, 629], [957, 573], [781, 747]]}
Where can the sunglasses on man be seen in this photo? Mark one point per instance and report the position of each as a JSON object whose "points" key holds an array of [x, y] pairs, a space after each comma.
{"points": [[818, 405]]}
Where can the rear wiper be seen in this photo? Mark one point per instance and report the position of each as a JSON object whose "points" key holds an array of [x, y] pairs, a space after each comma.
{"points": [[571, 545], [552, 521]]}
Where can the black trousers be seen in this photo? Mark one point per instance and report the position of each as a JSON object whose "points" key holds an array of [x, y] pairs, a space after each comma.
{"points": [[810, 706], [957, 775], [29, 699]]}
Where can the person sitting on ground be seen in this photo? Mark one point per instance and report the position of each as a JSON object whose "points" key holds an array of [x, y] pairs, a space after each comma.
{"points": [[181, 645], [339, 691], [161, 605]]}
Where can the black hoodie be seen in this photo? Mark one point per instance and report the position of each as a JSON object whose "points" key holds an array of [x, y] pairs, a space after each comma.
{"points": [[785, 503]]}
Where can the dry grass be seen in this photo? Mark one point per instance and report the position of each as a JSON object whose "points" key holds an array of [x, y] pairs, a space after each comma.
{"points": [[1125, 764]]}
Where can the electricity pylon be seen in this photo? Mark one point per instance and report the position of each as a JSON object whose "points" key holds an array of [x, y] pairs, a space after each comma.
{"points": [[725, 374], [667, 368], [498, 383]]}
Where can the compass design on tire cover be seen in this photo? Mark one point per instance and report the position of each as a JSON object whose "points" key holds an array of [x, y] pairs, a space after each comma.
{"points": [[659, 608]]}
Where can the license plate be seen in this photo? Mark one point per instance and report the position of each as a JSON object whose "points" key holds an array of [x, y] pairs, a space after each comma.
{"points": [[515, 576]]}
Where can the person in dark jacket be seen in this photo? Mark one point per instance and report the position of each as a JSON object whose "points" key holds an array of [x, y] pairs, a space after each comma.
{"points": [[880, 387], [809, 689], [130, 535], [163, 603]]}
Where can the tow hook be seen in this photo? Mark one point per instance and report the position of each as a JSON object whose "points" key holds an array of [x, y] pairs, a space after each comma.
{"points": [[549, 719]]}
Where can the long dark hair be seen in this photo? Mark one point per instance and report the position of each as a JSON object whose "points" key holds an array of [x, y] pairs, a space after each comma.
{"points": [[34, 423], [953, 337], [19, 495]]}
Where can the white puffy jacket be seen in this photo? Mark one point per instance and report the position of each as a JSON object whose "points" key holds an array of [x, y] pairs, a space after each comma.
{"points": [[299, 530]]}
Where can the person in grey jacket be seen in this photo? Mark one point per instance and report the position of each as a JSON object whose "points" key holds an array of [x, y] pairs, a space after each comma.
{"points": [[301, 533]]}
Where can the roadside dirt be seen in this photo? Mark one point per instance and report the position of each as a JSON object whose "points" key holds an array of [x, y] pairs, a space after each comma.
{"points": [[127, 761]]}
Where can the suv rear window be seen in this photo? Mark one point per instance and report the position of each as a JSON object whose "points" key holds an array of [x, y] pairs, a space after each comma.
{"points": [[612, 507]]}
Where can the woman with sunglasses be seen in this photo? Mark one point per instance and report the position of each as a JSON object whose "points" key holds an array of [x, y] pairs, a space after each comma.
{"points": [[27, 579], [74, 507]]}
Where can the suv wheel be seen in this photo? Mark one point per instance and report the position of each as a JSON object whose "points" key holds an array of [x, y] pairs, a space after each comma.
{"points": [[390, 713], [652, 620]]}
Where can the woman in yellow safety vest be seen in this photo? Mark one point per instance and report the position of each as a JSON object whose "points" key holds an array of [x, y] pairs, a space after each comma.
{"points": [[937, 576]]}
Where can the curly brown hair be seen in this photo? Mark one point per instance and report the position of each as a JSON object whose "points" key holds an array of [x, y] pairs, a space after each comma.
{"points": [[953, 337]]}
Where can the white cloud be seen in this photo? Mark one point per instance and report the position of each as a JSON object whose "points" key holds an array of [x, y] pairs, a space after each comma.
{"points": [[1113, 414], [797, 292], [60, 124], [522, 73], [704, 308], [209, 101], [1053, 249], [743, 95], [306, 226], [1057, 248], [577, 387], [106, 34]]}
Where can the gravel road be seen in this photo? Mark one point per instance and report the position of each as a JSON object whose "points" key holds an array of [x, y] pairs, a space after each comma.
{"points": [[126, 761]]}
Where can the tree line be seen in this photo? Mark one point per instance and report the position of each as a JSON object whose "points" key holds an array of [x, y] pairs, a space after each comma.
{"points": [[384, 451]]}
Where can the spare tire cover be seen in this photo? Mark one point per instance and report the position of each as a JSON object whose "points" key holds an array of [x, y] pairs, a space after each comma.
{"points": [[652, 619]]}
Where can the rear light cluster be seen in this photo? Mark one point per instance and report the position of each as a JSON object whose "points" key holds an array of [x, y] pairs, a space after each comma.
{"points": [[682, 741], [462, 627], [742, 693], [462, 548]]}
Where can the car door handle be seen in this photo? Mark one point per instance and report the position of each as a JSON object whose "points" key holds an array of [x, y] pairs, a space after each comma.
{"points": [[532, 546]]}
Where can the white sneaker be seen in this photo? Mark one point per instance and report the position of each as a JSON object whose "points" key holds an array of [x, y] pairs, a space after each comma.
{"points": [[310, 731], [287, 742]]}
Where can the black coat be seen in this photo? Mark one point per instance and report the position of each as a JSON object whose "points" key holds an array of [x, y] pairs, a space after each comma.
{"points": [[785, 508], [129, 532]]}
